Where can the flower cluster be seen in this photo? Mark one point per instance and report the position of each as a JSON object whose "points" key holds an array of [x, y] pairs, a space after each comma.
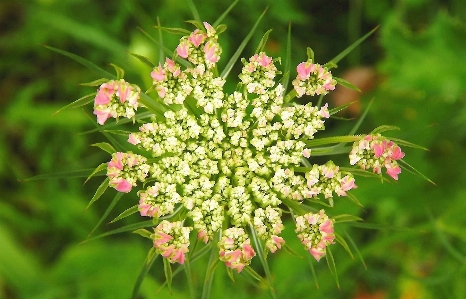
{"points": [[313, 79], [114, 99], [125, 169], [227, 164], [374, 152], [171, 240], [315, 232], [235, 248], [326, 179]]}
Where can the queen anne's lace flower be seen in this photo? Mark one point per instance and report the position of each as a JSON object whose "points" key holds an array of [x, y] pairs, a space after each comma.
{"points": [[125, 169], [235, 248], [171, 240], [315, 232], [225, 163], [374, 152], [116, 98], [313, 79]]}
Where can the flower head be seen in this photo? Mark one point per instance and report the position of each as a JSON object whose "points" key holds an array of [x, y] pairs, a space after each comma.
{"points": [[315, 232], [171, 240], [313, 79], [116, 98], [125, 169], [374, 152], [235, 248]]}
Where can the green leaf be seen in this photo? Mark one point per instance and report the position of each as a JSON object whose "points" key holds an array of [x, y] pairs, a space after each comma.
{"points": [[79, 102], [98, 169], [263, 42], [143, 232], [286, 76], [99, 71], [381, 129], [151, 257], [230, 274], [97, 82], [363, 173], [291, 251], [168, 273], [353, 199], [180, 31], [143, 59], [413, 170], [105, 147], [165, 50], [211, 266], [120, 73], [224, 14], [407, 143], [198, 23], [344, 244], [194, 11], [254, 274], [346, 218], [189, 277], [82, 173], [311, 260], [107, 211], [330, 140], [331, 265], [241, 47], [346, 84], [99, 192], [262, 258], [310, 54], [139, 116], [356, 249], [124, 229], [220, 28], [126, 213], [352, 46]]}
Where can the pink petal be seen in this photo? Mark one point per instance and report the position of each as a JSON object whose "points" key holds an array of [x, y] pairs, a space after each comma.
{"points": [[123, 186], [158, 74]]}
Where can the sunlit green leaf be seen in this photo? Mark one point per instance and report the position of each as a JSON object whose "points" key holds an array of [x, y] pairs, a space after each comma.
{"points": [[126, 213], [263, 42], [331, 265], [143, 59], [98, 193], [151, 257], [240, 49], [99, 71], [346, 84], [180, 31], [346, 218], [143, 233], [352, 46], [120, 73], [224, 14], [105, 147], [98, 169], [343, 243], [168, 273], [107, 211]]}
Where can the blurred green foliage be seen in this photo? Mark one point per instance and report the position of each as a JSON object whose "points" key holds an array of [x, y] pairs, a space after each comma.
{"points": [[417, 53]]}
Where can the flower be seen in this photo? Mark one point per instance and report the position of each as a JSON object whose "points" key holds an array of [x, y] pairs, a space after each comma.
{"points": [[114, 99], [171, 240], [235, 248], [313, 79], [374, 151], [125, 169], [228, 163], [315, 232]]}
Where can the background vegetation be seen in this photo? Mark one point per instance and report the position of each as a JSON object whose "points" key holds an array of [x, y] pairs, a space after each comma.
{"points": [[412, 66]]}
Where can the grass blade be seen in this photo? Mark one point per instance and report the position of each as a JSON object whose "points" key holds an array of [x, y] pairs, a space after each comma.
{"points": [[99, 71], [331, 265], [99, 192], [224, 14], [126, 213], [107, 211], [151, 257], [82, 173], [345, 52], [240, 49], [79, 102]]}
